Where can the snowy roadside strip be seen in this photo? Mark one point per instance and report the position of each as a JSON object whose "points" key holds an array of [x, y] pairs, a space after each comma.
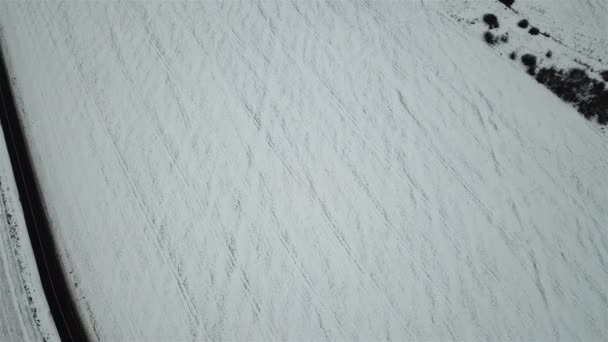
{"points": [[56, 290]]}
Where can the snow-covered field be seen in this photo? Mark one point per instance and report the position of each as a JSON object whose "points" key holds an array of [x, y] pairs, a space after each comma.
{"points": [[24, 312], [308, 170]]}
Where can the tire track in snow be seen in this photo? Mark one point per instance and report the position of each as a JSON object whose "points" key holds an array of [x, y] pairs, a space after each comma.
{"points": [[157, 240], [450, 167], [559, 185], [312, 193], [255, 302], [285, 165], [429, 64], [359, 189], [591, 283], [344, 111], [312, 190], [156, 45]]}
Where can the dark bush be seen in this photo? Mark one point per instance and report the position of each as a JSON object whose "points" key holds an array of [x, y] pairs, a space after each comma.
{"points": [[490, 38], [490, 20], [507, 3], [549, 54], [513, 55], [504, 38], [523, 23], [604, 75], [534, 31], [528, 60]]}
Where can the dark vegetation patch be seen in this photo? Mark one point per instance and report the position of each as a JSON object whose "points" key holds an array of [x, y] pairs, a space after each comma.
{"points": [[490, 20], [529, 61], [507, 3], [523, 23], [588, 95], [493, 39], [490, 38]]}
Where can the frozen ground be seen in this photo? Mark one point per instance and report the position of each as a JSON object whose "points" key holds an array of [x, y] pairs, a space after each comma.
{"points": [[24, 313], [308, 170]]}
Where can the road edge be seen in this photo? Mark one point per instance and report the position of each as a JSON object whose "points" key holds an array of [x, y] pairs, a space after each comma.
{"points": [[52, 276]]}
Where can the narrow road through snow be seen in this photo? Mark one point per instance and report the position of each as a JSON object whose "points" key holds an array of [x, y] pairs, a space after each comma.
{"points": [[52, 278]]}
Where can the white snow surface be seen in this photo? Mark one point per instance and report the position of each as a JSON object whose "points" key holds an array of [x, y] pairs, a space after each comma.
{"points": [[24, 312], [300, 170]]}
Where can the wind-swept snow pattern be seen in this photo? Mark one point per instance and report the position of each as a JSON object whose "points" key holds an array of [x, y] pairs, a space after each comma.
{"points": [[24, 312], [308, 170]]}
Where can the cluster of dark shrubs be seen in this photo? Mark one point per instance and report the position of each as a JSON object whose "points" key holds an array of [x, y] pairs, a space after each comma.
{"points": [[507, 3], [490, 20], [533, 30], [590, 96], [529, 61], [492, 39]]}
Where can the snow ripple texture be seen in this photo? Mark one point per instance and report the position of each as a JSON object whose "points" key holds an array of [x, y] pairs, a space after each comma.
{"points": [[301, 170]]}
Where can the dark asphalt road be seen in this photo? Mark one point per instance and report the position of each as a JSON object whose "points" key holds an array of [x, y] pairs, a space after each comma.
{"points": [[52, 276]]}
